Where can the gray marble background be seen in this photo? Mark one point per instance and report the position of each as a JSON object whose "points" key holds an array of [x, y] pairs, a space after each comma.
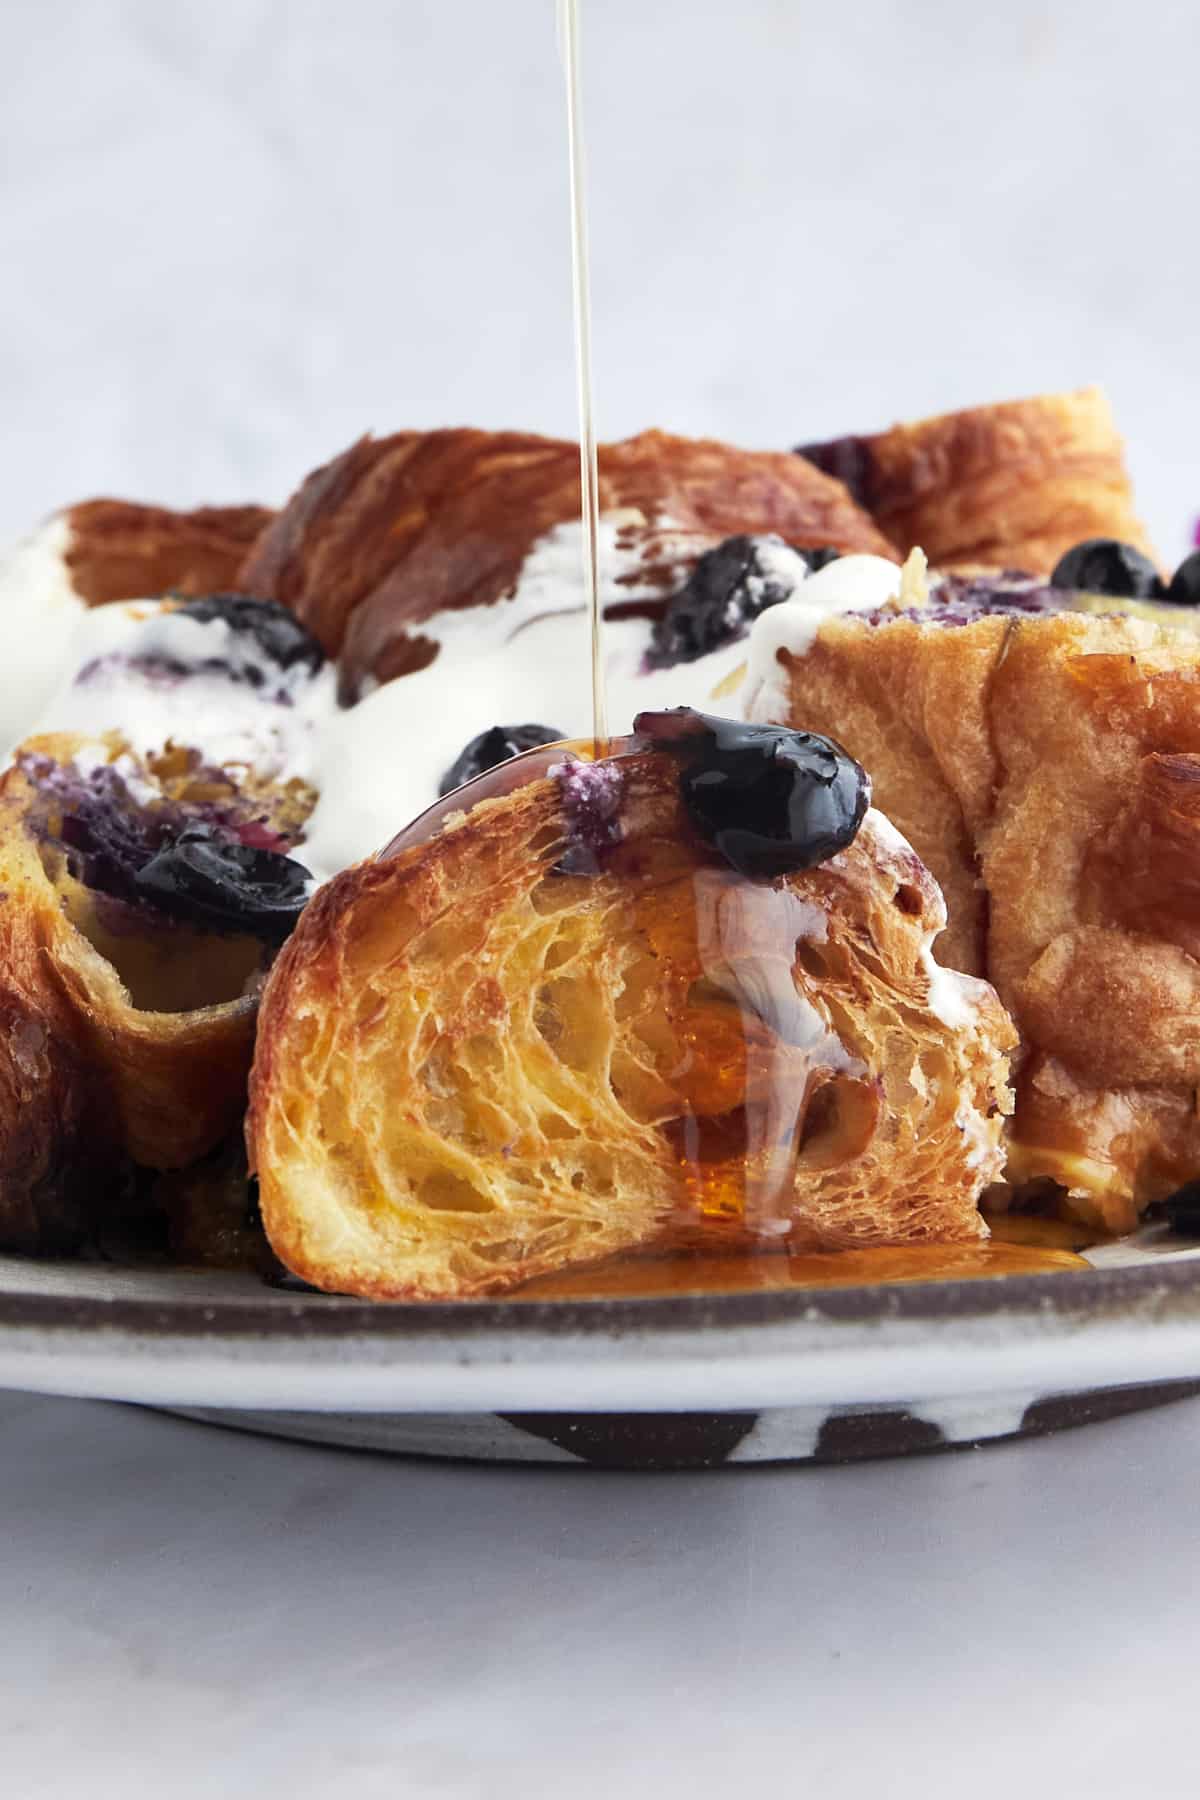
{"points": [[235, 233]]}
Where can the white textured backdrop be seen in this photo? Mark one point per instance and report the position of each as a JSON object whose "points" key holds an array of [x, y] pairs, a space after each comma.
{"points": [[235, 233]]}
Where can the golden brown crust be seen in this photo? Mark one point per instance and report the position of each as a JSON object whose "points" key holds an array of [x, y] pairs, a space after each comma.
{"points": [[472, 1070], [909, 703], [89, 1078], [123, 550], [1009, 486], [58, 1157], [1058, 800], [397, 529]]}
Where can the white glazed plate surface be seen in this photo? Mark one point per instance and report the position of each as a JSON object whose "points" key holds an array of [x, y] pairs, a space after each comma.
{"points": [[181, 1337]]}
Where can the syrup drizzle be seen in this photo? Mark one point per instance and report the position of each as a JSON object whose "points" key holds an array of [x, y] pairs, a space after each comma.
{"points": [[589, 480]]}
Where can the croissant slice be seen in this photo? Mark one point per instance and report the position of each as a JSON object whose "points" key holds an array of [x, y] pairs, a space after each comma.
{"points": [[147, 885], [1046, 766], [400, 531], [564, 1028], [1009, 486]]}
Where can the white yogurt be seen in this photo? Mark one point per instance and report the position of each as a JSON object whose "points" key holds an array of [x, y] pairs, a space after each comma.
{"points": [[156, 675], [851, 584], [39, 611]]}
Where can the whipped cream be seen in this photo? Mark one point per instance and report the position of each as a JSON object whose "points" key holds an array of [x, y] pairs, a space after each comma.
{"points": [[849, 585], [39, 611], [522, 660], [156, 675]]}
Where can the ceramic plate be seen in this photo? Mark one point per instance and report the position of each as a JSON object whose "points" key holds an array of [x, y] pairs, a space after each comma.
{"points": [[765, 1375]]}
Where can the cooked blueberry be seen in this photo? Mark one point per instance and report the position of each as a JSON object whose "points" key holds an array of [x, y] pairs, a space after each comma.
{"points": [[723, 595], [770, 800], [493, 747], [1106, 566], [1185, 583], [106, 835], [277, 632], [1183, 1209], [821, 557], [207, 877]]}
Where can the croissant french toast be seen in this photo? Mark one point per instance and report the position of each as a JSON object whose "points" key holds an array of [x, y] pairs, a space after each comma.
{"points": [[402, 531], [1005, 487], [147, 886], [615, 1008], [1046, 766]]}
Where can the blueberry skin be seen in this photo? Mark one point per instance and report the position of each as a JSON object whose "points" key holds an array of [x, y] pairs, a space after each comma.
{"points": [[821, 558], [498, 744], [717, 603], [1183, 1209], [207, 878], [278, 633], [1106, 566], [769, 800], [1185, 583]]}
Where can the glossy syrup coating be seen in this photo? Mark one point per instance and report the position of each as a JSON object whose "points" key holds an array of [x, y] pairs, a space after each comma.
{"points": [[477, 1066]]}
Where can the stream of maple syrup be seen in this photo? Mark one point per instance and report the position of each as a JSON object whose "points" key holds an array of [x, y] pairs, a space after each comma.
{"points": [[589, 477]]}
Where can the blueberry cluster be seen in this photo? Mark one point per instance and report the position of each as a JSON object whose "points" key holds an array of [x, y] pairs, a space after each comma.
{"points": [[186, 861], [1106, 566]]}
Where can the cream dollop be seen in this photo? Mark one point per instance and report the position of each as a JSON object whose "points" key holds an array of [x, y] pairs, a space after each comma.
{"points": [[851, 584], [156, 675]]}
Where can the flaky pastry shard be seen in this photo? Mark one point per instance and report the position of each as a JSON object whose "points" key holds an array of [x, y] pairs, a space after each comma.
{"points": [[397, 530], [1048, 771], [1011, 486], [474, 1068]]}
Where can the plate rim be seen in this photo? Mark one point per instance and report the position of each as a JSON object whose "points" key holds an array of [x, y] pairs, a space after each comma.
{"points": [[1085, 1295]]}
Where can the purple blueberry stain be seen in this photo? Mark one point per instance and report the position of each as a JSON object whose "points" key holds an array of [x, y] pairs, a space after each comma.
{"points": [[592, 794], [194, 863]]}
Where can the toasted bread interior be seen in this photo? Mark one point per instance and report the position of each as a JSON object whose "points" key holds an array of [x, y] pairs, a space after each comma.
{"points": [[473, 1068], [164, 966]]}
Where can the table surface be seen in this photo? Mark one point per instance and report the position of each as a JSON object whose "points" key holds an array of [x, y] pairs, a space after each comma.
{"points": [[238, 1616]]}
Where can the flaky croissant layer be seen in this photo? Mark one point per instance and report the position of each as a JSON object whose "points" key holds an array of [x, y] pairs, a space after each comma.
{"points": [[474, 1067], [1048, 770]]}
